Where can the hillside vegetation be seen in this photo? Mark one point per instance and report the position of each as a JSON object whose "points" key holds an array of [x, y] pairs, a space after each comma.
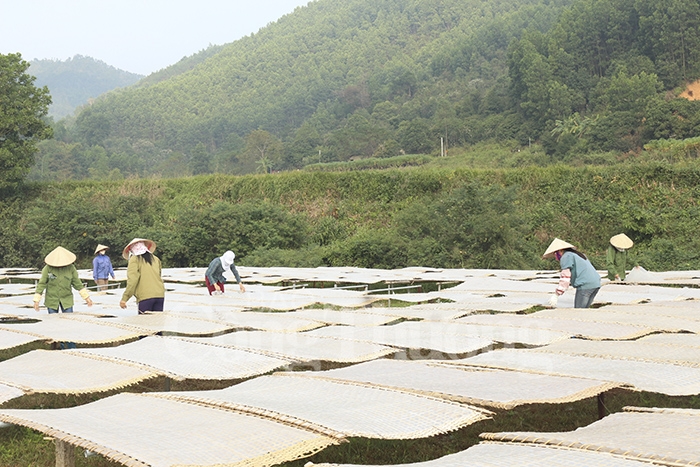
{"points": [[339, 80], [391, 218], [444, 133], [73, 82]]}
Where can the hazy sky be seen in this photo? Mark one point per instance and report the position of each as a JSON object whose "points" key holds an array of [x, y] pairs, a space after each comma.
{"points": [[140, 36]]}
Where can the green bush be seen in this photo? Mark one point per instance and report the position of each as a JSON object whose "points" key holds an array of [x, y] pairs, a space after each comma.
{"points": [[310, 257], [379, 249], [437, 217], [195, 237]]}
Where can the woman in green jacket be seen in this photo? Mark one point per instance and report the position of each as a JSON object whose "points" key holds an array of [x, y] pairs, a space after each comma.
{"points": [[58, 278], [616, 257], [143, 276]]}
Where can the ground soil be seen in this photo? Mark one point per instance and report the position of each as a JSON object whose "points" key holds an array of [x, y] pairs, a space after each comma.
{"points": [[692, 91]]}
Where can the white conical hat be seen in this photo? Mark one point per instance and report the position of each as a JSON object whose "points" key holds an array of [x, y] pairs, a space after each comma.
{"points": [[621, 241], [101, 247], [557, 245], [59, 257], [150, 244]]}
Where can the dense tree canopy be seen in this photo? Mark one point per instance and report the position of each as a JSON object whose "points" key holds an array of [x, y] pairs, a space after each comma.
{"points": [[335, 81], [22, 107], [74, 81]]}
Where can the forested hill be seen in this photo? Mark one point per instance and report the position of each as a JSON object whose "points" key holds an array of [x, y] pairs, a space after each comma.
{"points": [[338, 79], [73, 82]]}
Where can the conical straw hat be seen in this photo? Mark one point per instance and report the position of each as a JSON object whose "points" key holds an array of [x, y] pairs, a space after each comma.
{"points": [[556, 245], [150, 244], [101, 247], [59, 257], [621, 241]]}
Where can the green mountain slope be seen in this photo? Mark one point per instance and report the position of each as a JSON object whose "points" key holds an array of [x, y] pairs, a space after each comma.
{"points": [[73, 82], [346, 54], [335, 81]]}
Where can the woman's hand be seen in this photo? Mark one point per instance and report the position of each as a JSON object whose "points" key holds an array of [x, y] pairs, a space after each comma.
{"points": [[122, 304]]}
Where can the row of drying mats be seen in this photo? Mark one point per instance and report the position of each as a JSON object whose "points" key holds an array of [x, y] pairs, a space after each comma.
{"points": [[445, 360]]}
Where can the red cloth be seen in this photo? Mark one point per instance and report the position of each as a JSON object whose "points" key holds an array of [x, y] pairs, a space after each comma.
{"points": [[210, 286]]}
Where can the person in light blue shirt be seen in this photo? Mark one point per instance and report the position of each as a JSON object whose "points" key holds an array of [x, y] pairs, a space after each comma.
{"points": [[102, 267], [576, 270]]}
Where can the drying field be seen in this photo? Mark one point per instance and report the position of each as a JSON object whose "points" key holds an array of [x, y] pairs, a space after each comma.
{"points": [[356, 366]]}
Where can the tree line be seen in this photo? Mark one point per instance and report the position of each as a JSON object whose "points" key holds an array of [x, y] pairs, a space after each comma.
{"points": [[391, 218], [341, 80]]}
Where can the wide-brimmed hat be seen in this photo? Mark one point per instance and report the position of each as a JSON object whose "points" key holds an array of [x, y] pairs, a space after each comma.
{"points": [[101, 247], [621, 241], [150, 244], [557, 245], [59, 257]]}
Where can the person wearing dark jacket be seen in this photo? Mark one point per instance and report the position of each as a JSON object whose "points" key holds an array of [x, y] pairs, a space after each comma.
{"points": [[214, 276]]}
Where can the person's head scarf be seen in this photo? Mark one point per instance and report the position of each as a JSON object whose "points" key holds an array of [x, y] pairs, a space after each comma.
{"points": [[227, 259], [138, 248]]}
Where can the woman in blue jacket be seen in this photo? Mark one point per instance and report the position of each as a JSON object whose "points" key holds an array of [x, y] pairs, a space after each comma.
{"points": [[102, 267]]}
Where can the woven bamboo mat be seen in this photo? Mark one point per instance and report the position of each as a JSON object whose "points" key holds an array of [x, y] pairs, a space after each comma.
{"points": [[18, 306], [15, 271], [53, 371], [17, 289], [350, 409], [69, 327], [490, 454], [332, 296], [140, 430], [492, 388], [300, 346], [188, 296], [639, 275], [665, 437], [509, 302], [470, 302], [275, 298], [683, 309], [565, 321], [264, 321], [629, 294], [183, 359], [640, 350], [683, 339], [152, 323], [9, 392], [646, 320], [350, 274], [339, 275], [346, 317], [444, 336], [491, 284], [673, 380], [10, 339], [426, 311], [407, 337]]}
